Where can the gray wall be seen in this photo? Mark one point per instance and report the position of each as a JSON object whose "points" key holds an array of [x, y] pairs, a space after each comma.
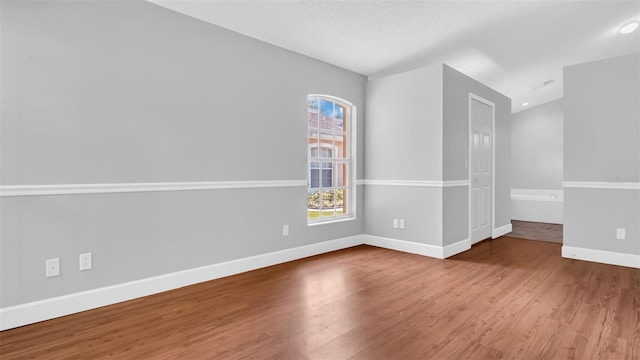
{"points": [[404, 142], [536, 147], [128, 92], [417, 129], [602, 126], [602, 144], [404, 126], [456, 88]]}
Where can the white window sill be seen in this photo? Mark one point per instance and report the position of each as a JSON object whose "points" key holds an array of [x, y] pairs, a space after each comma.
{"points": [[332, 221]]}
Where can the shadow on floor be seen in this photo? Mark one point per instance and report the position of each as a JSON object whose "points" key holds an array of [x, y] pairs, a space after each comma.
{"points": [[536, 231]]}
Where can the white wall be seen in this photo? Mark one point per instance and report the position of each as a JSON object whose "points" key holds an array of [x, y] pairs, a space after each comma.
{"points": [[602, 160]]}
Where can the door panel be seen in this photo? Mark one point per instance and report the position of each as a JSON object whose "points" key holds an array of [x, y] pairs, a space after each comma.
{"points": [[481, 169]]}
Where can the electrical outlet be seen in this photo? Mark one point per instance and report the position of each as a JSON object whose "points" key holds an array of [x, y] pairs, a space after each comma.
{"points": [[285, 230], [85, 261], [395, 223], [402, 224], [621, 233], [52, 267]]}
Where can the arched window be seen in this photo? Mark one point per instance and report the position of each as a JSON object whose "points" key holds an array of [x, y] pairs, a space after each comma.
{"points": [[330, 173]]}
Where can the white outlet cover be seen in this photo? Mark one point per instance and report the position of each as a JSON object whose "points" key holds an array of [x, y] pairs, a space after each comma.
{"points": [[621, 233], [85, 261], [285, 230], [52, 267], [401, 224], [395, 223]]}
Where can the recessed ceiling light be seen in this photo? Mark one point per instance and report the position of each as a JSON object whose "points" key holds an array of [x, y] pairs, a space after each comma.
{"points": [[629, 28], [525, 104]]}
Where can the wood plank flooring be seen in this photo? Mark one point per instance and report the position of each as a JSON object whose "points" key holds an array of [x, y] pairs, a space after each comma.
{"points": [[536, 231], [504, 298]]}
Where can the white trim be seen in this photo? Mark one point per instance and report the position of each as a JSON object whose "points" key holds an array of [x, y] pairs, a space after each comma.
{"points": [[353, 156], [601, 185], [493, 160], [405, 246], [456, 248], [23, 314], [502, 230], [456, 183], [415, 183], [333, 220], [70, 189], [359, 182], [601, 256], [434, 251]]}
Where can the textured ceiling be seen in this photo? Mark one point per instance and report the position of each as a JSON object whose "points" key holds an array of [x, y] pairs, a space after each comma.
{"points": [[515, 47]]}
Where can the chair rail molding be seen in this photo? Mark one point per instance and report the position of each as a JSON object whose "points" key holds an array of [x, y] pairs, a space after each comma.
{"points": [[622, 185], [70, 189]]}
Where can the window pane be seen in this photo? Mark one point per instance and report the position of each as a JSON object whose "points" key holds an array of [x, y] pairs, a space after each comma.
{"points": [[312, 120], [312, 103], [313, 204], [327, 175], [340, 145], [312, 113], [341, 201], [314, 177], [312, 140], [326, 152], [341, 174], [326, 108], [326, 115], [326, 138], [328, 203], [338, 123]]}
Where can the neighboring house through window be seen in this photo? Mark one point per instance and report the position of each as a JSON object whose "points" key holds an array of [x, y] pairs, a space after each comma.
{"points": [[330, 173]]}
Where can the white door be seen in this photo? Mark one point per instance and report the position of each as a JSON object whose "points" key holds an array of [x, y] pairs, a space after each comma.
{"points": [[481, 123]]}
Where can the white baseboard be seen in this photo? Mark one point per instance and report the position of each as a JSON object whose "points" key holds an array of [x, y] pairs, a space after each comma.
{"points": [[502, 230], [433, 251], [404, 246], [24, 314], [456, 248], [601, 256]]}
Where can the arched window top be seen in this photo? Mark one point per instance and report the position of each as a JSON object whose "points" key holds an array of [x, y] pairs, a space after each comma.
{"points": [[330, 98]]}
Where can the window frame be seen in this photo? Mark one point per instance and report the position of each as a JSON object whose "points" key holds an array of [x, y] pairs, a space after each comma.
{"points": [[349, 118]]}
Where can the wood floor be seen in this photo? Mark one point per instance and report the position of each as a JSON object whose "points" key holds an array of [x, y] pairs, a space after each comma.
{"points": [[505, 298], [536, 231]]}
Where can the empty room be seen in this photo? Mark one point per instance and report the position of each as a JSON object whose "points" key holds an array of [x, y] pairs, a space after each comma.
{"points": [[319, 179]]}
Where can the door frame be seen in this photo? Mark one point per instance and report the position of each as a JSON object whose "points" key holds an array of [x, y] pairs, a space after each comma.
{"points": [[473, 96]]}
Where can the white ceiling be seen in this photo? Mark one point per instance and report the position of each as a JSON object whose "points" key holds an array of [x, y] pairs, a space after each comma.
{"points": [[512, 46]]}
